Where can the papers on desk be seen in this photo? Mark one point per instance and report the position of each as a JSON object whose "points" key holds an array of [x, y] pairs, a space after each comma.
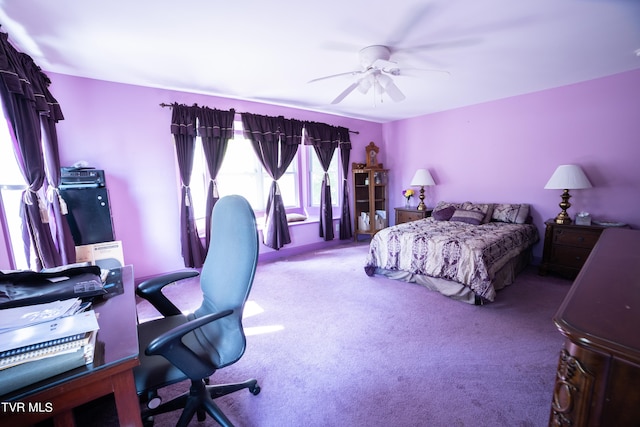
{"points": [[20, 317], [43, 340], [49, 331]]}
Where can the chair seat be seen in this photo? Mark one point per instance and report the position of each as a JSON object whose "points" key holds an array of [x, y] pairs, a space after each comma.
{"points": [[156, 371]]}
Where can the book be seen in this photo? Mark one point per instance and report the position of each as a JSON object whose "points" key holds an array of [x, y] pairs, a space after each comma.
{"points": [[28, 353], [25, 374], [49, 332]]}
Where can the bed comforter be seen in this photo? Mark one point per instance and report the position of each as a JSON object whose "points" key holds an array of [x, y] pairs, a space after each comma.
{"points": [[465, 253]]}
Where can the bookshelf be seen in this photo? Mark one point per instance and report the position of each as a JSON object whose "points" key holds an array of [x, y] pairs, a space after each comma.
{"points": [[371, 205]]}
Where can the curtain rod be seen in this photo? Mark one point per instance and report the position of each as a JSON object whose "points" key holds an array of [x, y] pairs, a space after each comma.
{"points": [[163, 105]]}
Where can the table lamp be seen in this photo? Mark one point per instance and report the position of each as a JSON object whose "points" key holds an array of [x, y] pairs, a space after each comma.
{"points": [[567, 177], [422, 178]]}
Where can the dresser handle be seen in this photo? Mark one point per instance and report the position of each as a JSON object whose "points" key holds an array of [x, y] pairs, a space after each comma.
{"points": [[581, 239]]}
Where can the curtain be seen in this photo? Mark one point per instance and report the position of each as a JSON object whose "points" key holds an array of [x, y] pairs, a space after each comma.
{"points": [[183, 129], [25, 97], [346, 231], [324, 139], [275, 141], [216, 129], [57, 207]]}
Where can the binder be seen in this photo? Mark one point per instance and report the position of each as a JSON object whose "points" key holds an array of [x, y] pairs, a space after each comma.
{"points": [[50, 348], [27, 373], [49, 332]]}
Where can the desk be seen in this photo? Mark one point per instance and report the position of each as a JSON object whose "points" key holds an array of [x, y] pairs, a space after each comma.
{"points": [[116, 355], [599, 367]]}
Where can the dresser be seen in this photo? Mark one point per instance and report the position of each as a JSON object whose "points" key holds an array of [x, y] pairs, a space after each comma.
{"points": [[599, 366], [410, 214], [566, 247]]}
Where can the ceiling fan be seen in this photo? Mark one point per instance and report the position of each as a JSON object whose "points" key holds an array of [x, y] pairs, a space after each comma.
{"points": [[377, 73]]}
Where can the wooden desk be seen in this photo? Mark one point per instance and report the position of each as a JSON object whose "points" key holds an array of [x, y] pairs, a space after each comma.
{"points": [[599, 367], [116, 355]]}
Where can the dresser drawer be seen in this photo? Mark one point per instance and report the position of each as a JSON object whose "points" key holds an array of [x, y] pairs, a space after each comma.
{"points": [[407, 216], [569, 256], [573, 237]]}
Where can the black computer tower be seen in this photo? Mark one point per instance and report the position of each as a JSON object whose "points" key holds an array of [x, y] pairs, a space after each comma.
{"points": [[89, 214]]}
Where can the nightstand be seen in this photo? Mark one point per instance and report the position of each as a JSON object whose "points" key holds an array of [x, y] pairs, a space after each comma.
{"points": [[410, 214], [566, 247]]}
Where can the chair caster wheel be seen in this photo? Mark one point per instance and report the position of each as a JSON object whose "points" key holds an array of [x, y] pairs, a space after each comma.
{"points": [[154, 402], [255, 389]]}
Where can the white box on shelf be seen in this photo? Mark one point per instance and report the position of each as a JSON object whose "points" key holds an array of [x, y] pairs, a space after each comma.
{"points": [[106, 255]]}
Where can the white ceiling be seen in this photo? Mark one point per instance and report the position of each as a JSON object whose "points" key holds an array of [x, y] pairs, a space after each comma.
{"points": [[267, 51]]}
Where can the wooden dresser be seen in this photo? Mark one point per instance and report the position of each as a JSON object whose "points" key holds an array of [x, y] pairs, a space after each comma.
{"points": [[410, 214], [598, 377], [566, 247]]}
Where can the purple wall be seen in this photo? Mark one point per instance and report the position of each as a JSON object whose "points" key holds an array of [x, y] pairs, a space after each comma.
{"points": [[502, 151], [506, 150], [123, 130]]}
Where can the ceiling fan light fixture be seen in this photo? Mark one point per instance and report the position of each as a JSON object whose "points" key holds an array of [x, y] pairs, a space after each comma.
{"points": [[384, 80], [364, 85]]}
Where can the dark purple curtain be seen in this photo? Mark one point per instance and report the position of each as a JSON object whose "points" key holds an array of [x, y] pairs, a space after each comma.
{"points": [[183, 129], [324, 139], [57, 207], [275, 141], [215, 128], [25, 97], [346, 231]]}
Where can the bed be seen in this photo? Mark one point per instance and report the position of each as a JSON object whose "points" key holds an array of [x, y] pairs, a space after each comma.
{"points": [[466, 251]]}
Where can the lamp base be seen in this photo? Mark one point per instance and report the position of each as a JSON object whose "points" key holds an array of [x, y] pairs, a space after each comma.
{"points": [[421, 205], [563, 217]]}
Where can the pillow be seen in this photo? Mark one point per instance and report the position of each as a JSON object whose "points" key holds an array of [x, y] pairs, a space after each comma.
{"points": [[469, 217], [443, 214], [512, 213], [442, 205], [296, 217], [485, 208]]}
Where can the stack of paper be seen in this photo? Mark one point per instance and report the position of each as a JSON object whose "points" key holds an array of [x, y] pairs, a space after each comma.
{"points": [[43, 340]]}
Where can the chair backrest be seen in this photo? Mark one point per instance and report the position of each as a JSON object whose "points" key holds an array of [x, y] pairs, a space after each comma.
{"points": [[227, 277]]}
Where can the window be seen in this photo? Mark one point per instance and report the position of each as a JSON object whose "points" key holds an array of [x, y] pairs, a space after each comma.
{"points": [[11, 186], [242, 173], [316, 173]]}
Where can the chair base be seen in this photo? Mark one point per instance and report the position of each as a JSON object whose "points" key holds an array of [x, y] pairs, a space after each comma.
{"points": [[199, 400]]}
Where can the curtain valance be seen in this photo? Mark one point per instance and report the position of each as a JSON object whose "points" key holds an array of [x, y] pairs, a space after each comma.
{"points": [[21, 76]]}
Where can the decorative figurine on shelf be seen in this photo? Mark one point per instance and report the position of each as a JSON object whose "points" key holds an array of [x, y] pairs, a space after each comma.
{"points": [[372, 156]]}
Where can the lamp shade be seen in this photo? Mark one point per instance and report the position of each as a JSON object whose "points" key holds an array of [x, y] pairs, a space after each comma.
{"points": [[422, 178], [568, 177]]}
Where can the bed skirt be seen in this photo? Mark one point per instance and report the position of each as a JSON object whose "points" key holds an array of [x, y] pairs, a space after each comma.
{"points": [[457, 291]]}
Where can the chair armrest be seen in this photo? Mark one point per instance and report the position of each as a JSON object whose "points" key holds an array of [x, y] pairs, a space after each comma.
{"points": [[151, 290], [170, 346]]}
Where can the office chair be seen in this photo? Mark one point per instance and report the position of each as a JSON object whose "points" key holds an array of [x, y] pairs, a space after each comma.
{"points": [[177, 347]]}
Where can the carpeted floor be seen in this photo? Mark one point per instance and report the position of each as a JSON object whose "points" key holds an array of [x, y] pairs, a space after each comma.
{"points": [[331, 346]]}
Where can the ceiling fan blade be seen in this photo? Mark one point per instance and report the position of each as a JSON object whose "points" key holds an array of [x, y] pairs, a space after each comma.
{"points": [[465, 42], [418, 72], [344, 93], [415, 17], [349, 73], [394, 92]]}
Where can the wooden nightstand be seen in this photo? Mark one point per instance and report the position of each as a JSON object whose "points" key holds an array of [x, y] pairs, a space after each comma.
{"points": [[566, 247], [410, 214]]}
